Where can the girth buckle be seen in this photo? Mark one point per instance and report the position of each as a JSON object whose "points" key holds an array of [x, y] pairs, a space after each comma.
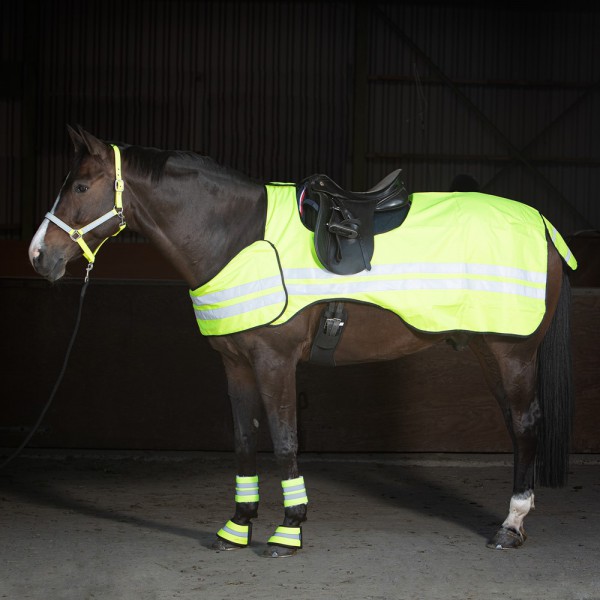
{"points": [[333, 326]]}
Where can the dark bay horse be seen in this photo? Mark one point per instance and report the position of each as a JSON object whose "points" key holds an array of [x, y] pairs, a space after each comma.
{"points": [[200, 216]]}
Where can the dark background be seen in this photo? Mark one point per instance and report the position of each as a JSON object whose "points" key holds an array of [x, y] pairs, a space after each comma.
{"points": [[279, 90]]}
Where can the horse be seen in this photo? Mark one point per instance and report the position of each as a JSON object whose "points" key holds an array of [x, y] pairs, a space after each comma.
{"points": [[201, 215]]}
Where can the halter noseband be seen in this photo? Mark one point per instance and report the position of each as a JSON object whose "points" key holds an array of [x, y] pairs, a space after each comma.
{"points": [[77, 234]]}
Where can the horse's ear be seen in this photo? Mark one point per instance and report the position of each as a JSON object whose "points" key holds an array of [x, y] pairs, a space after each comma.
{"points": [[77, 140], [94, 146]]}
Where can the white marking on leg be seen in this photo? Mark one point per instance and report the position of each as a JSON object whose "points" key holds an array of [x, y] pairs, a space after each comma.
{"points": [[38, 241], [520, 505]]}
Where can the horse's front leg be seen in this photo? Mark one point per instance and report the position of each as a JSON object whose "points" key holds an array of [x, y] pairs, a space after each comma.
{"points": [[246, 409], [277, 383]]}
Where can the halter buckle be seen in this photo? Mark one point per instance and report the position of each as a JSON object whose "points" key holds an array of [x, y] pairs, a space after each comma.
{"points": [[119, 185]]}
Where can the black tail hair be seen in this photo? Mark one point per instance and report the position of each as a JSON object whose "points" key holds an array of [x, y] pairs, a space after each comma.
{"points": [[556, 395]]}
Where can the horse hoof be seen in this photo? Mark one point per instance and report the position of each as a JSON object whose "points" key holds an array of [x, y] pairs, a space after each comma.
{"points": [[506, 539], [279, 552], [221, 546]]}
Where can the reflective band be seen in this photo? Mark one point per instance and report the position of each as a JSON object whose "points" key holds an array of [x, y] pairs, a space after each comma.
{"points": [[246, 489], [401, 268], [294, 492], [319, 283], [236, 534], [249, 289], [238, 291], [290, 537], [420, 283], [109, 215], [560, 244], [76, 235], [276, 298]]}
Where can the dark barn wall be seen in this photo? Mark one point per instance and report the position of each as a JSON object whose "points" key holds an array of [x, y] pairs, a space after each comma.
{"points": [[280, 90]]}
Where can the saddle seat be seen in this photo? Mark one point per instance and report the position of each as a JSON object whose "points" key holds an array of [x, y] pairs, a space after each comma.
{"points": [[346, 221]]}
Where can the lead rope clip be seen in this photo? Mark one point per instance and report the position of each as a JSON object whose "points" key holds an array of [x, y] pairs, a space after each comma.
{"points": [[89, 267]]}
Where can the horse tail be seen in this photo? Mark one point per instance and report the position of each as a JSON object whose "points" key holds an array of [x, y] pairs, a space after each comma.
{"points": [[556, 395]]}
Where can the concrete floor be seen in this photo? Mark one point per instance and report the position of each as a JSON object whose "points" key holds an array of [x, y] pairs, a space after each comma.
{"points": [[120, 526]]}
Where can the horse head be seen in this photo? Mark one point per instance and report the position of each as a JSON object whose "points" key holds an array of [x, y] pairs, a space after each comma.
{"points": [[85, 211]]}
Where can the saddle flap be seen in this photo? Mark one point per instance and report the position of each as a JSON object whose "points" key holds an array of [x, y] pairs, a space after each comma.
{"points": [[344, 239], [344, 228]]}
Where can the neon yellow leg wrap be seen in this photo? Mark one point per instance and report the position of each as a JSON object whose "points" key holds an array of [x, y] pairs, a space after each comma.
{"points": [[294, 492], [289, 537], [240, 535], [246, 489]]}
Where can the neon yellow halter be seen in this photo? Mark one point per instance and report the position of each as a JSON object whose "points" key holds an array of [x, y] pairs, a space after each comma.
{"points": [[117, 211]]}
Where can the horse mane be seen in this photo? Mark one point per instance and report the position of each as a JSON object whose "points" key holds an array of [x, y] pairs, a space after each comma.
{"points": [[151, 162]]}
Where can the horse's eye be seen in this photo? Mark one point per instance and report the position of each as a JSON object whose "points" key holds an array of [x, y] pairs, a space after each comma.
{"points": [[80, 188]]}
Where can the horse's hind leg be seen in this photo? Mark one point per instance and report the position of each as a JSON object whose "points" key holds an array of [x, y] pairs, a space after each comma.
{"points": [[246, 408], [510, 370]]}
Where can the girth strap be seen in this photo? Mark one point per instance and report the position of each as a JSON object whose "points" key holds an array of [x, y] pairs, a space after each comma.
{"points": [[331, 325]]}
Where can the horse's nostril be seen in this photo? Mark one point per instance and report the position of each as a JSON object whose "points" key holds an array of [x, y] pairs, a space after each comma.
{"points": [[35, 262], [34, 251]]}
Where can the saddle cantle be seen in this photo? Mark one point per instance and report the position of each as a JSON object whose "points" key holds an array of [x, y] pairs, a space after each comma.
{"points": [[345, 225]]}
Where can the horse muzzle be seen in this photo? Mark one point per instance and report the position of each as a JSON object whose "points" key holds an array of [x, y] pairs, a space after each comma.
{"points": [[50, 264], [52, 270]]}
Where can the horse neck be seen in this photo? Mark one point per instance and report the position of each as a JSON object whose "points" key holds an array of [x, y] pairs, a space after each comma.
{"points": [[198, 223]]}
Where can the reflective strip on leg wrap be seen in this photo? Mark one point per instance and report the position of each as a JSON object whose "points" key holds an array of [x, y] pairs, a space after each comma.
{"points": [[246, 489], [294, 492], [236, 534], [289, 537]]}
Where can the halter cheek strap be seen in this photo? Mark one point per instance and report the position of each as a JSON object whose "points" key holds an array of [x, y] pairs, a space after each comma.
{"points": [[77, 234]]}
